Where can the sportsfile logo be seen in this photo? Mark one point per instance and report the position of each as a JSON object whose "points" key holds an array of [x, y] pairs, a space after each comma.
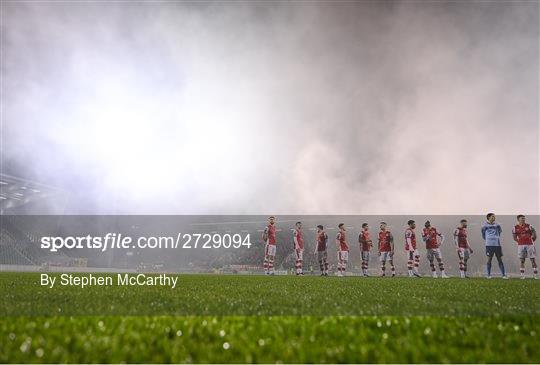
{"points": [[121, 241]]}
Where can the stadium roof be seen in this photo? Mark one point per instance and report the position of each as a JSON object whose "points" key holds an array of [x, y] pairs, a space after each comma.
{"points": [[16, 192]]}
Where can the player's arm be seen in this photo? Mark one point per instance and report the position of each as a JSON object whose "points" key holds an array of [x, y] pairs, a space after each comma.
{"points": [[391, 238], [514, 234], [265, 235], [424, 236], [533, 234], [337, 240], [484, 232], [295, 238], [408, 239], [362, 240], [325, 241], [456, 238]]}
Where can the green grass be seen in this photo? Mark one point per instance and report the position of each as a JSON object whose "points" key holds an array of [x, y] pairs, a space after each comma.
{"points": [[272, 319], [268, 339], [21, 294]]}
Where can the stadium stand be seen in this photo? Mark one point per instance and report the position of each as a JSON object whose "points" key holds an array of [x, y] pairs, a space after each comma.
{"points": [[19, 245], [10, 254], [17, 194]]}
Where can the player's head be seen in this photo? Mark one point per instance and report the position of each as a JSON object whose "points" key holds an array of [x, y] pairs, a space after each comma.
{"points": [[427, 224], [490, 217], [298, 225], [320, 227], [272, 219], [411, 223], [341, 226], [365, 226], [521, 219], [383, 226], [463, 223]]}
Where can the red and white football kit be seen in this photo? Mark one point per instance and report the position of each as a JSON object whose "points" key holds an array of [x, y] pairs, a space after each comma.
{"points": [[460, 235], [269, 236], [322, 255], [523, 234], [413, 257], [385, 251], [385, 238], [298, 249], [524, 237], [365, 247], [343, 252], [430, 236], [462, 246], [410, 240]]}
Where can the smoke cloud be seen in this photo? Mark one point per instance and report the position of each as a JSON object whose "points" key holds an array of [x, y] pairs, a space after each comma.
{"points": [[283, 108]]}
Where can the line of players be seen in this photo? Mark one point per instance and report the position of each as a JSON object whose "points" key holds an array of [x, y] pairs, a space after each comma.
{"points": [[523, 233]]}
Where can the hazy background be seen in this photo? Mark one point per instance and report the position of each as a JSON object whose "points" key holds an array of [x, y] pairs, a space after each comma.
{"points": [[274, 107], [199, 259]]}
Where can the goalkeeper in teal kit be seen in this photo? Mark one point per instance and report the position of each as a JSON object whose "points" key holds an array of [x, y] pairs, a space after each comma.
{"points": [[491, 234]]}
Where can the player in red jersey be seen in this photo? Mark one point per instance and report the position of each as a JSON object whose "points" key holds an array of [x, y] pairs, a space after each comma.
{"points": [[320, 250], [343, 250], [462, 246], [431, 237], [386, 249], [365, 246], [298, 248], [413, 257], [525, 236], [269, 238]]}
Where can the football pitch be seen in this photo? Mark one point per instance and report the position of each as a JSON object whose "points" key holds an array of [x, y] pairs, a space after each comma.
{"points": [[237, 319]]}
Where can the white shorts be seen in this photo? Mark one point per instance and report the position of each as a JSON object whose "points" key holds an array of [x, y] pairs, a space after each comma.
{"points": [[525, 251], [322, 255], [270, 250], [386, 255], [412, 254], [434, 253], [299, 254], [343, 255], [365, 255], [463, 253]]}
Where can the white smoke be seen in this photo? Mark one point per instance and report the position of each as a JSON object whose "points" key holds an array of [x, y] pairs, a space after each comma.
{"points": [[349, 108]]}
